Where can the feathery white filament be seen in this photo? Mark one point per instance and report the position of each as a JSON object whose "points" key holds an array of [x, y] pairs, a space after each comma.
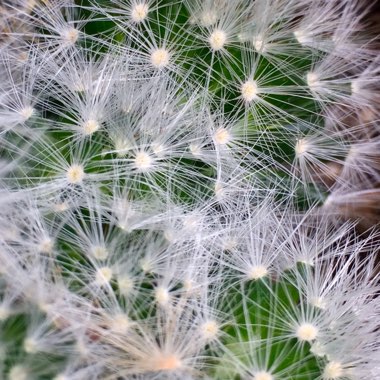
{"points": [[318, 302], [75, 174], [303, 37], [166, 362], [262, 375], [208, 18], [257, 272], [143, 161], [332, 371], [125, 285], [103, 276], [222, 136], [229, 243], [313, 81], [188, 285], [355, 87], [90, 126], [30, 346], [46, 246], [258, 43], [301, 147], [209, 330], [99, 252], [162, 296], [219, 191], [120, 324], [139, 12], [61, 207], [160, 58], [18, 372], [317, 349], [70, 36], [4, 313], [61, 377], [26, 113], [249, 90], [158, 149], [306, 332], [217, 39], [122, 146], [195, 150]]}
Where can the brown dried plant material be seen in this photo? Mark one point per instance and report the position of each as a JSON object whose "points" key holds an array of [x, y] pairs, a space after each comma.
{"points": [[363, 206]]}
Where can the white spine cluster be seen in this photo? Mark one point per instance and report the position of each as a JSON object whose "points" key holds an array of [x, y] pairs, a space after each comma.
{"points": [[182, 190]]}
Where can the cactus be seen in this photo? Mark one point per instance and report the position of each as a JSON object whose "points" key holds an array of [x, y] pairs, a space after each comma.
{"points": [[181, 184]]}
